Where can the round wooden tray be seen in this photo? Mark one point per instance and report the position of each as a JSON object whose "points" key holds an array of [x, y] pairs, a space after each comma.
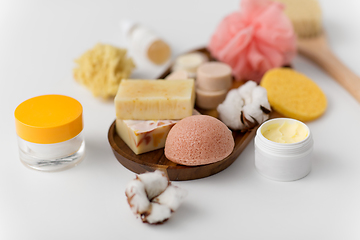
{"points": [[151, 161], [154, 160]]}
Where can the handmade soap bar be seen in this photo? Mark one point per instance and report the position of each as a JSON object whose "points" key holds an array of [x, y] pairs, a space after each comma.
{"points": [[144, 136], [190, 62], [155, 99], [209, 99], [214, 76], [178, 74]]}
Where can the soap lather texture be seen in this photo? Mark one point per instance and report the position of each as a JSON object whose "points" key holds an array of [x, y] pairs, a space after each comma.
{"points": [[199, 140]]}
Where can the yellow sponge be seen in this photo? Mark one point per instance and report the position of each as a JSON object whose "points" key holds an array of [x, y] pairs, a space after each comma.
{"points": [[294, 95]]}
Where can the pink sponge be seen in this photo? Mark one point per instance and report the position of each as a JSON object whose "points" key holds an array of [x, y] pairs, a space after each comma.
{"points": [[198, 140], [256, 39]]}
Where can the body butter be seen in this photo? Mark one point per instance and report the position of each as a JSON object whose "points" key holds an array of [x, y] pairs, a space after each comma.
{"points": [[283, 149], [286, 132]]}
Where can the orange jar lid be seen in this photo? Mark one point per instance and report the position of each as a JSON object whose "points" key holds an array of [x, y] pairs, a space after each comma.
{"points": [[48, 119]]}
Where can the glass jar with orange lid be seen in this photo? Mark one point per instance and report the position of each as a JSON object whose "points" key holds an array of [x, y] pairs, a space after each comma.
{"points": [[49, 129]]}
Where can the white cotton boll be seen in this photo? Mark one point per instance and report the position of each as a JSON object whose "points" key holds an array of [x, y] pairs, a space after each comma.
{"points": [[259, 93], [152, 197], [137, 198], [245, 91], [172, 197], [232, 95], [229, 111], [253, 111], [249, 100], [229, 115], [155, 183], [259, 96], [247, 88], [159, 213]]}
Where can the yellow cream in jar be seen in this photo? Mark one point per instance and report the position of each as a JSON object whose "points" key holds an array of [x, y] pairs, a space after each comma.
{"points": [[286, 132]]}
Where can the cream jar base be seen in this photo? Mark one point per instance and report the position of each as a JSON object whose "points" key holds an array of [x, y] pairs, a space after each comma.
{"points": [[53, 165], [281, 179]]}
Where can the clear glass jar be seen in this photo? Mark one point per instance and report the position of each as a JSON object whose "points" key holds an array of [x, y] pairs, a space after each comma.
{"points": [[49, 129], [54, 156], [283, 161]]}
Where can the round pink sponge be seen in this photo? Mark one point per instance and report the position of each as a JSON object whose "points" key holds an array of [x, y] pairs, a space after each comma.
{"points": [[198, 140]]}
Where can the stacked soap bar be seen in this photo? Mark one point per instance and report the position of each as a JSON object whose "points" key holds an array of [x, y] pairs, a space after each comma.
{"points": [[155, 99], [189, 62], [147, 109], [144, 136], [213, 81]]}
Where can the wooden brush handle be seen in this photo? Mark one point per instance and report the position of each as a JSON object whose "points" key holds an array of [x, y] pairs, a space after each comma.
{"points": [[319, 52]]}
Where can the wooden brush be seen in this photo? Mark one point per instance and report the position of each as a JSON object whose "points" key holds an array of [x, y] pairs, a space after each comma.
{"points": [[305, 16]]}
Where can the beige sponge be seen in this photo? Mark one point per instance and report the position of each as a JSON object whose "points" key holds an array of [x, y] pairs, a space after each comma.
{"points": [[293, 94], [305, 16], [102, 68]]}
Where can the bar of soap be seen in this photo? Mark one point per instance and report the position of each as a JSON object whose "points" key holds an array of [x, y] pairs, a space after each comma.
{"points": [[214, 76], [190, 62], [144, 136], [209, 99], [178, 74], [155, 99]]}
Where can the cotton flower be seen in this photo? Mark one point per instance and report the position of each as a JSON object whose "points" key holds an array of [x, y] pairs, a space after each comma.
{"points": [[245, 107], [153, 198]]}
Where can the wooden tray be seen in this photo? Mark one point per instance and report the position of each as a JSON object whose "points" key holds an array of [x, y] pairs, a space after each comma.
{"points": [[154, 160]]}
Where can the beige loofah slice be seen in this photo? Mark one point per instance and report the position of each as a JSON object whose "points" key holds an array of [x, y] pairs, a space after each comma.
{"points": [[305, 16], [293, 94]]}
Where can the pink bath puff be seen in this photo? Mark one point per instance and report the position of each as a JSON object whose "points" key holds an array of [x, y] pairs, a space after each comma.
{"points": [[198, 140], [255, 39]]}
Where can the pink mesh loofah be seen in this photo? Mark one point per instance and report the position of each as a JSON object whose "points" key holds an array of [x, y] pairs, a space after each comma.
{"points": [[255, 39]]}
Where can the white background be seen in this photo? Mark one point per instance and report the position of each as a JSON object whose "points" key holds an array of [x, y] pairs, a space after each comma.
{"points": [[39, 41]]}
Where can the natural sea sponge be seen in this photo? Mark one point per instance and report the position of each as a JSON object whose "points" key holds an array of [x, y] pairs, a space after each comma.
{"points": [[293, 94], [198, 140], [102, 68]]}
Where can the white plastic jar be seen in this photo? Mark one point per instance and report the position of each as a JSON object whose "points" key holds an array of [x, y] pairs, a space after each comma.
{"points": [[49, 129], [283, 161]]}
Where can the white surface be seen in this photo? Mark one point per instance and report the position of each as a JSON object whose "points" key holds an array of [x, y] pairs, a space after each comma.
{"points": [[39, 41]]}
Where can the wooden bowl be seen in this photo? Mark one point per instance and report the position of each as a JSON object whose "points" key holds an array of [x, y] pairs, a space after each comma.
{"points": [[151, 161], [154, 160]]}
